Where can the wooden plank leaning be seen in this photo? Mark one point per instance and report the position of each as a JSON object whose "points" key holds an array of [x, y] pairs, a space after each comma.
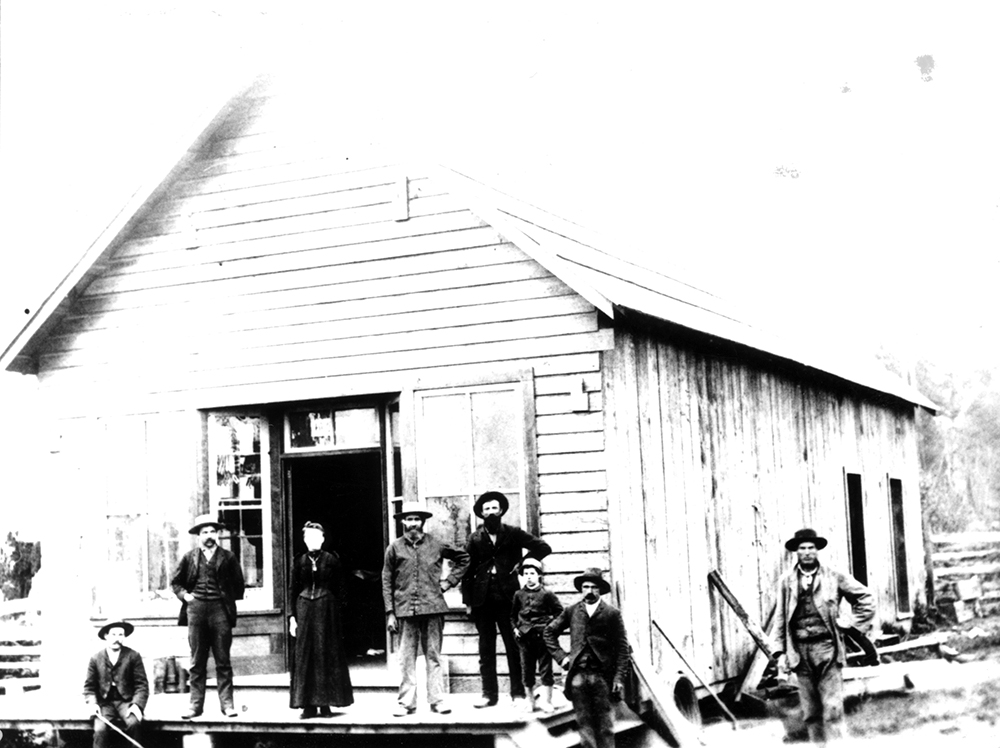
{"points": [[701, 680], [758, 663]]}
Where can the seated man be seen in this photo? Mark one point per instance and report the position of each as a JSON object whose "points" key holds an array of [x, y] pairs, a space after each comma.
{"points": [[116, 686]]}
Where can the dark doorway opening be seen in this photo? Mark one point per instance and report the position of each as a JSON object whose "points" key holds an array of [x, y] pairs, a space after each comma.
{"points": [[344, 493], [899, 545], [856, 518]]}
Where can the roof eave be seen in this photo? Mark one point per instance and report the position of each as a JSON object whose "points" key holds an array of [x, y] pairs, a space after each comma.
{"points": [[19, 356]]}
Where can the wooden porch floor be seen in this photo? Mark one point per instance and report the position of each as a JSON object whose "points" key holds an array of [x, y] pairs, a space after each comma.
{"points": [[268, 711]]}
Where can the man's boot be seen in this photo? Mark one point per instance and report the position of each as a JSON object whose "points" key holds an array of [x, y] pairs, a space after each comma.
{"points": [[545, 703]]}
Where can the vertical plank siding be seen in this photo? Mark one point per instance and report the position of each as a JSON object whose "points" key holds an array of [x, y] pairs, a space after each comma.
{"points": [[721, 461]]}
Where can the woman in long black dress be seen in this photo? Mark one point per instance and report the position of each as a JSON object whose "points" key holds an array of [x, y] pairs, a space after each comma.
{"points": [[320, 678]]}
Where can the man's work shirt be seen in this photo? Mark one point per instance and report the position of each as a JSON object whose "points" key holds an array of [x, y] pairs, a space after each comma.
{"points": [[411, 575]]}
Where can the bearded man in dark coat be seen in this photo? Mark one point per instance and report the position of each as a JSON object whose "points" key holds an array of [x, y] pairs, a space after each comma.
{"points": [[495, 554]]}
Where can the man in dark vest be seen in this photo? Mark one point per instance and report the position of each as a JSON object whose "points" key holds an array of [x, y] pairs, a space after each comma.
{"points": [[807, 637], [116, 686], [495, 553], [209, 581], [597, 663]]}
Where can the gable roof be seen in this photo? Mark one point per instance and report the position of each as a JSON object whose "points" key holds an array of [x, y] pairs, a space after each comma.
{"points": [[569, 251], [608, 281]]}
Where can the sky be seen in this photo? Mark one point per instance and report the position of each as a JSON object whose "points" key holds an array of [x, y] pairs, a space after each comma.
{"points": [[832, 168]]}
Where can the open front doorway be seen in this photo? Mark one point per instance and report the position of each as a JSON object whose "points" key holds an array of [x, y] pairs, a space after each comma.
{"points": [[343, 492]]}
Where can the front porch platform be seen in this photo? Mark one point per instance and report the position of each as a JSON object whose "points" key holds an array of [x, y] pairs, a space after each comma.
{"points": [[265, 720], [262, 711]]}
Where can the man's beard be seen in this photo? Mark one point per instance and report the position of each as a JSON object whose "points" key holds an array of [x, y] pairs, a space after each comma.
{"points": [[492, 523], [210, 543], [591, 597]]}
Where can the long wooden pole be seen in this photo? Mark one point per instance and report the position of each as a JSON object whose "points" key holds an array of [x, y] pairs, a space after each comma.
{"points": [[751, 625], [701, 680]]}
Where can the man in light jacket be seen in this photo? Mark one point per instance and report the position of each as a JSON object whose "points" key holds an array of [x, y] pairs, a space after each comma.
{"points": [[808, 639], [413, 593]]}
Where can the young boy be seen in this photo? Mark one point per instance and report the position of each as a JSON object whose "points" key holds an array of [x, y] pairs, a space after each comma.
{"points": [[533, 608]]}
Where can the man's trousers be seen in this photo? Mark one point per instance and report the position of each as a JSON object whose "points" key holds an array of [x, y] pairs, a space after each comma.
{"points": [[209, 630], [821, 690], [416, 633], [492, 616], [592, 704], [115, 712]]}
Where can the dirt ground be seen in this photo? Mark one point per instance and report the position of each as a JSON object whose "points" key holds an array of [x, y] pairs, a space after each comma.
{"points": [[919, 700]]}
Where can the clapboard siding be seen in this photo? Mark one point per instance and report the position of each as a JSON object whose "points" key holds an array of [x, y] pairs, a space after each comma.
{"points": [[725, 460], [76, 328], [570, 443], [264, 187], [166, 378], [269, 293], [454, 249], [208, 280], [235, 331], [173, 250]]}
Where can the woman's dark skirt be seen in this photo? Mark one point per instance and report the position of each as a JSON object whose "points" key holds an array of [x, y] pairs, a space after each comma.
{"points": [[320, 676]]}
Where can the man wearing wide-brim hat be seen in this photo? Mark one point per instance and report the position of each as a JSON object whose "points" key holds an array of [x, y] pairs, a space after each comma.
{"points": [[807, 636], [495, 553], [116, 687], [597, 664], [413, 593], [209, 581]]}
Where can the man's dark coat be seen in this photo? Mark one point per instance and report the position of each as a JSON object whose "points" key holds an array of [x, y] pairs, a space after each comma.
{"points": [[604, 632], [506, 554], [230, 580], [131, 679]]}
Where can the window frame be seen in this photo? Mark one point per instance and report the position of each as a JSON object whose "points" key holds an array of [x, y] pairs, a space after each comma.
{"points": [[493, 380], [256, 599], [288, 449]]}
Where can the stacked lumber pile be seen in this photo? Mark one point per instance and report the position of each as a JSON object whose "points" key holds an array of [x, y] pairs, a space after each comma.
{"points": [[20, 647], [967, 573]]}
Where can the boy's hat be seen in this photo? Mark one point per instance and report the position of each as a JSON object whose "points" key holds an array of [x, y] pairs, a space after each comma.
{"points": [[531, 562]]}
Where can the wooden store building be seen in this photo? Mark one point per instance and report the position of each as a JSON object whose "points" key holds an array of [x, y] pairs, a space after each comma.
{"points": [[276, 334]]}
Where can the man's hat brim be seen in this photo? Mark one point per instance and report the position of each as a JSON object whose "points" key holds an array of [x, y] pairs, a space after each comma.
{"points": [[422, 513], [197, 528], [204, 520], [818, 540], [477, 508], [602, 584], [128, 627]]}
